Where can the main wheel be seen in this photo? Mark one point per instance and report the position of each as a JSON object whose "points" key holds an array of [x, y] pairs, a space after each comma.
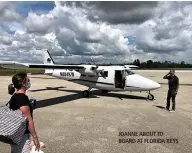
{"points": [[150, 97], [105, 91], [85, 93]]}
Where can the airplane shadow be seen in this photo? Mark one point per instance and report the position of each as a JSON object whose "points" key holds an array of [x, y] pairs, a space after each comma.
{"points": [[37, 77], [58, 100], [77, 94], [47, 88], [161, 107]]}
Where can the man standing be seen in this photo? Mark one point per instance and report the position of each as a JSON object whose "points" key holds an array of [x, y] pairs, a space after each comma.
{"points": [[173, 81]]}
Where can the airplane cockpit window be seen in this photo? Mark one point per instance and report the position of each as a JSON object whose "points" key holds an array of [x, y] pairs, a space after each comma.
{"points": [[106, 73], [93, 68], [128, 72]]}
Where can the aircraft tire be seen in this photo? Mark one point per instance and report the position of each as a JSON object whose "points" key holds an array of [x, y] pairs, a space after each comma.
{"points": [[105, 91], [85, 93], [150, 97]]}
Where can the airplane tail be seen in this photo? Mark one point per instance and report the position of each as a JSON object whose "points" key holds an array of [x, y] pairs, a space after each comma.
{"points": [[48, 60]]}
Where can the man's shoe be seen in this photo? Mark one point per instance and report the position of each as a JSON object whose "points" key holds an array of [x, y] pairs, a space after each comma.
{"points": [[172, 111]]}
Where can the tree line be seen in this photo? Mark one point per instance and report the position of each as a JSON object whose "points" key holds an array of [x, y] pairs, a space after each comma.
{"points": [[149, 64], [158, 64]]}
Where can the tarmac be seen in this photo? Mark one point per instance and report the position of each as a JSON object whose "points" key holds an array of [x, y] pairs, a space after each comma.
{"points": [[114, 122]]}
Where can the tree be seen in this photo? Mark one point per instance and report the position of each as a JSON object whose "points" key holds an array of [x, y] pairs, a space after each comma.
{"points": [[149, 64], [182, 63], [136, 62]]}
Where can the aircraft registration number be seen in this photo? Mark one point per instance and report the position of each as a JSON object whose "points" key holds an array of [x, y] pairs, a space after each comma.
{"points": [[68, 74]]}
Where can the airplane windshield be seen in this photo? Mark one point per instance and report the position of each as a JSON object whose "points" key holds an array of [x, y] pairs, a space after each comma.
{"points": [[128, 72]]}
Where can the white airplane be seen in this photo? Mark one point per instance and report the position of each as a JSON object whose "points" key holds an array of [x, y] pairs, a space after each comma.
{"points": [[106, 78]]}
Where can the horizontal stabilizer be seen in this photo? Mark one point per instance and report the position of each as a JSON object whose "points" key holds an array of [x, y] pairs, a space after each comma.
{"points": [[13, 65]]}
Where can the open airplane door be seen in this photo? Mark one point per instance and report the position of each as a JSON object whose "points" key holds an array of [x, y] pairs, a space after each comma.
{"points": [[120, 79]]}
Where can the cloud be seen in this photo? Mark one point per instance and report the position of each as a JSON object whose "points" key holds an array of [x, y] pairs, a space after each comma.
{"points": [[6, 39], [117, 12], [10, 20], [166, 36], [170, 33], [25, 45], [77, 35], [38, 24], [76, 31], [38, 7], [8, 13]]}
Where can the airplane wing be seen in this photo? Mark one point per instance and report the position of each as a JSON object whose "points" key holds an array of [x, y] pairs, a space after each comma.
{"points": [[49, 65], [17, 65], [131, 66]]}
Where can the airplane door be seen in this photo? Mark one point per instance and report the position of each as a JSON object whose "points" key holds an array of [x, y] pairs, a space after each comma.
{"points": [[120, 80]]}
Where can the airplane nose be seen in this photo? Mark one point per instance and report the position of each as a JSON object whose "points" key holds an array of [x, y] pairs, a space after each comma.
{"points": [[150, 84], [155, 85], [142, 82]]}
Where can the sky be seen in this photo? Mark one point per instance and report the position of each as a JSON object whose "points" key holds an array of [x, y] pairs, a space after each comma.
{"points": [[107, 32]]}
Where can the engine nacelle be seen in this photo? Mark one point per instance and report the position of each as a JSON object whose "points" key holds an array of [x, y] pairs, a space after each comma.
{"points": [[89, 70]]}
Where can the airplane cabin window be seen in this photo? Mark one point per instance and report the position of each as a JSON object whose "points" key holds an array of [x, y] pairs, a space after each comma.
{"points": [[103, 74]]}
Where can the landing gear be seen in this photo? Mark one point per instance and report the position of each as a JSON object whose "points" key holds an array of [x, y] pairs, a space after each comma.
{"points": [[150, 96], [105, 91], [86, 92]]}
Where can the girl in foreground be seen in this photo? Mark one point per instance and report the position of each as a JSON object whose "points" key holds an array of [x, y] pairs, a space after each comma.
{"points": [[20, 100]]}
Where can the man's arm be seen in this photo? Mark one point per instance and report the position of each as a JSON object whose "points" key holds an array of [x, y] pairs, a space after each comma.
{"points": [[177, 85], [166, 76]]}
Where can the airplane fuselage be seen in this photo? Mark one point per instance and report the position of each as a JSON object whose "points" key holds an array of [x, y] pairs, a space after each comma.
{"points": [[113, 80]]}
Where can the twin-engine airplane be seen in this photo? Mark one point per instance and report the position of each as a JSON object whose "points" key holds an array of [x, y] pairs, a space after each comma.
{"points": [[106, 78]]}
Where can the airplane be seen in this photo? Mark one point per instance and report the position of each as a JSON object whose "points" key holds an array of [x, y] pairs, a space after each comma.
{"points": [[105, 78]]}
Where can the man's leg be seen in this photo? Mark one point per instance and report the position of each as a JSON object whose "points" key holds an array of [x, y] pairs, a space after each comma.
{"points": [[168, 100], [173, 102]]}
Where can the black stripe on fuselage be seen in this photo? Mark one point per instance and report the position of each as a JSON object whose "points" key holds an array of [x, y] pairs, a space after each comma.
{"points": [[98, 82], [91, 81]]}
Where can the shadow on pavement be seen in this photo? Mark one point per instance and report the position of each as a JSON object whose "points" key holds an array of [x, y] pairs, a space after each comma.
{"points": [[77, 94]]}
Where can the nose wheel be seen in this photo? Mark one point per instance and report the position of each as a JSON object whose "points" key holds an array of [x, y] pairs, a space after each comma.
{"points": [[150, 96], [85, 93]]}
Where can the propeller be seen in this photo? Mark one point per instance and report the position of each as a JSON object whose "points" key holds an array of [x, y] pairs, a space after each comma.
{"points": [[97, 71]]}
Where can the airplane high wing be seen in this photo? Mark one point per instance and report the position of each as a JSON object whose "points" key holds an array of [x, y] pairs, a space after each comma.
{"points": [[49, 64], [17, 65]]}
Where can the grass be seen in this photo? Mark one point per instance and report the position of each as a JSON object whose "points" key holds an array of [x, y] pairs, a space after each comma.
{"points": [[8, 72]]}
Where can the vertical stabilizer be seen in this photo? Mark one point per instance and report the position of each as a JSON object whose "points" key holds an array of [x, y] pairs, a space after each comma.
{"points": [[48, 60]]}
